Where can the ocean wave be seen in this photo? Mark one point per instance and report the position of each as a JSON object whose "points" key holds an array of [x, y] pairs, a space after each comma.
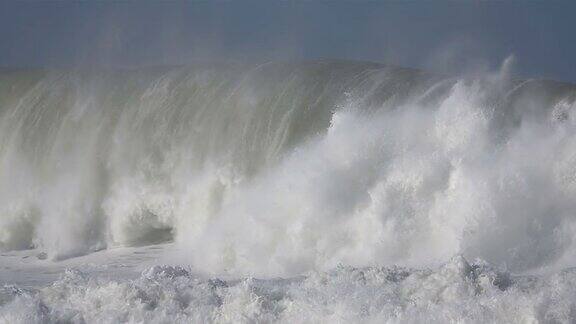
{"points": [[284, 168]]}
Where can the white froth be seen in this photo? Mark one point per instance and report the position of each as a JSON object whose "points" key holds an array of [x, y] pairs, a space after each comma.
{"points": [[455, 292]]}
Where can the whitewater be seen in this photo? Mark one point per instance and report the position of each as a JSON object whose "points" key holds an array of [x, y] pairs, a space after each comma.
{"points": [[296, 192]]}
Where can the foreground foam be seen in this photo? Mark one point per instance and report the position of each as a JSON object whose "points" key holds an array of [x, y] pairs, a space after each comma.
{"points": [[457, 291]]}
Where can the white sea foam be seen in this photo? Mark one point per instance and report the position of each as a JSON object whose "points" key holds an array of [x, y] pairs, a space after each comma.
{"points": [[455, 292]]}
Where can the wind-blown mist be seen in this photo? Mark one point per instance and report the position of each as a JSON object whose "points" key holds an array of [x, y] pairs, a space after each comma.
{"points": [[287, 167]]}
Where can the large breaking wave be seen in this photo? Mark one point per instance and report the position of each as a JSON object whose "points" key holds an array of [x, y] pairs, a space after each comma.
{"points": [[283, 168]]}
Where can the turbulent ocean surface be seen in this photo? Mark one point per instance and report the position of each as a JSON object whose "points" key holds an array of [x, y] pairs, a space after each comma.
{"points": [[295, 192]]}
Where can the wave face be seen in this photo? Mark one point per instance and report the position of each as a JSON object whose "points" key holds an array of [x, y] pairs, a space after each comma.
{"points": [[282, 168]]}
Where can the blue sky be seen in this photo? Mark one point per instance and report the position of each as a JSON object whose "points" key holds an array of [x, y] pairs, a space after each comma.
{"points": [[437, 35]]}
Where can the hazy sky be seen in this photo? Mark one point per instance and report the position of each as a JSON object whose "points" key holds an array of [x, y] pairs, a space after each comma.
{"points": [[444, 36]]}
